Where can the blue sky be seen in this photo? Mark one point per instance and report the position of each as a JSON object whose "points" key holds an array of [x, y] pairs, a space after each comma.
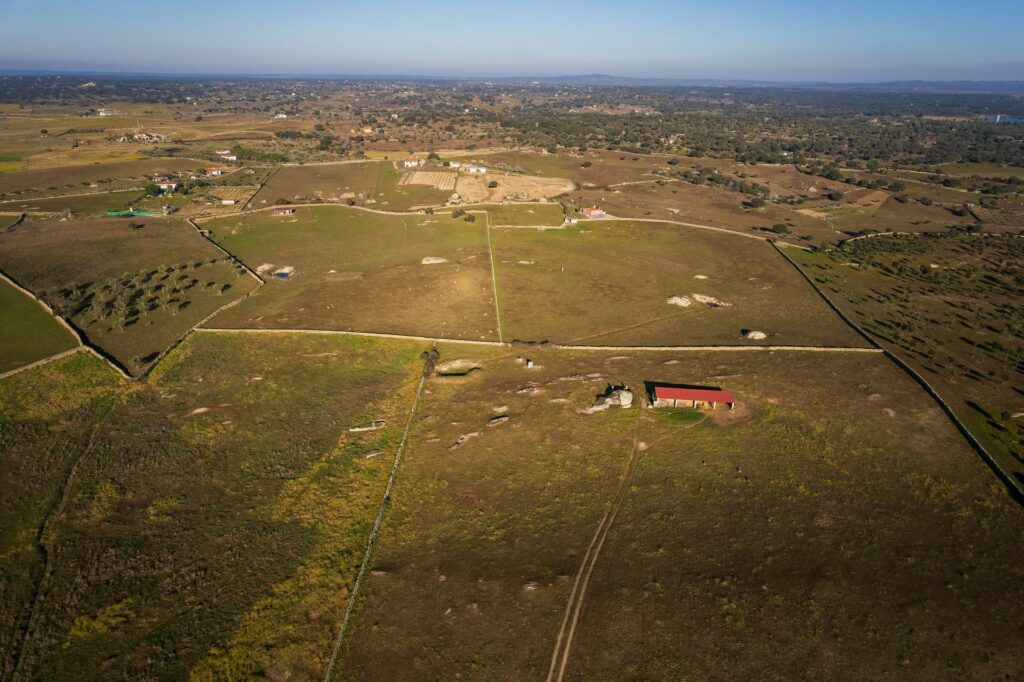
{"points": [[771, 39]]}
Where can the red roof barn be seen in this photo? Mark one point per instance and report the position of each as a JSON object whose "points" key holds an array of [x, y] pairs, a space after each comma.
{"points": [[680, 395]]}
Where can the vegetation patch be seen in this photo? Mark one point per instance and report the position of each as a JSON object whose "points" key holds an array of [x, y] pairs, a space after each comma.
{"points": [[132, 286]]}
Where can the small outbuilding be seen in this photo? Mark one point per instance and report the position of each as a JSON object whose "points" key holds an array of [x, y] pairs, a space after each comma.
{"points": [[661, 394], [283, 210]]}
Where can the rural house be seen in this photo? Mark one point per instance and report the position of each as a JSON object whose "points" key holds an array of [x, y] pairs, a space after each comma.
{"points": [[476, 169], [167, 185], [412, 162], [593, 212], [682, 395], [284, 210]]}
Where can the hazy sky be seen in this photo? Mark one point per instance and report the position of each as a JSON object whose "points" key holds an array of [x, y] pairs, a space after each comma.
{"points": [[768, 39]]}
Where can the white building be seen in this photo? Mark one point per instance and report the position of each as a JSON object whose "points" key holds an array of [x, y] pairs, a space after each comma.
{"points": [[412, 162], [475, 169]]}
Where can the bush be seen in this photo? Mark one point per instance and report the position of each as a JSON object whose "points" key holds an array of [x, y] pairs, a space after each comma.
{"points": [[492, 184], [835, 196], [470, 218], [756, 202], [902, 198], [926, 201], [779, 228]]}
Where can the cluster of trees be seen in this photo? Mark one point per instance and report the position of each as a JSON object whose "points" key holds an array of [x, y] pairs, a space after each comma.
{"points": [[706, 175], [123, 300]]}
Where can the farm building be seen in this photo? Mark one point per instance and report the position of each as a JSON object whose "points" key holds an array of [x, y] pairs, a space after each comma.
{"points": [[213, 172], [476, 169], [284, 210], [682, 395], [593, 212], [454, 164], [167, 185], [412, 162], [227, 202], [228, 156]]}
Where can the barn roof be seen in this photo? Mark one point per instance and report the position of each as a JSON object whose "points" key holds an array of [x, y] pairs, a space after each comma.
{"points": [[710, 395]]}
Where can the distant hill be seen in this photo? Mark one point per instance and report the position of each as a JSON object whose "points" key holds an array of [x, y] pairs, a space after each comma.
{"points": [[600, 80], [592, 80]]}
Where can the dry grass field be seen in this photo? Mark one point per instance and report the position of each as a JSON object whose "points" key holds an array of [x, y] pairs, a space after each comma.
{"points": [[538, 215], [784, 180], [477, 189], [86, 204], [357, 270], [27, 331], [328, 182], [71, 176], [704, 206], [777, 541], [605, 168], [609, 284], [218, 513], [132, 291], [951, 307]]}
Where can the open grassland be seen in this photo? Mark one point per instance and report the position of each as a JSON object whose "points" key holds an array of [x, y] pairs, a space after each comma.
{"points": [[949, 305], [782, 180], [27, 332], [389, 195], [477, 188], [46, 416], [985, 170], [895, 216], [609, 283], [526, 214], [591, 169], [218, 513], [328, 182], [475, 558], [132, 288], [794, 543], [364, 271], [717, 207], [89, 204], [65, 176], [81, 156], [760, 540]]}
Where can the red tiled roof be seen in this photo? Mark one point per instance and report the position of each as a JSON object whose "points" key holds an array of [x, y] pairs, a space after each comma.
{"points": [[710, 395]]}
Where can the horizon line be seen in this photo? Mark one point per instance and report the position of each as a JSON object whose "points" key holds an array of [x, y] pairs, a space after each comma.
{"points": [[312, 75]]}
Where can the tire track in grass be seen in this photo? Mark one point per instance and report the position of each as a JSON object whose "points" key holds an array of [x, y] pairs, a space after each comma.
{"points": [[563, 643]]}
